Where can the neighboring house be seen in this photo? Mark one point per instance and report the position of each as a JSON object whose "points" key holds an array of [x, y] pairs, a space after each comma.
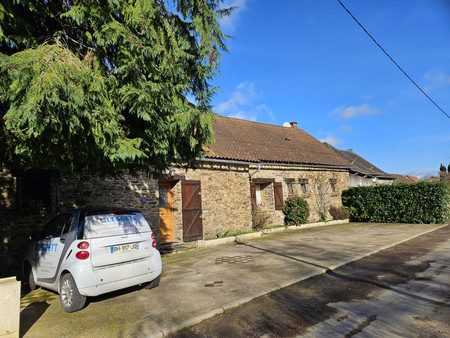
{"points": [[250, 167], [362, 172], [444, 176], [414, 178], [406, 178]]}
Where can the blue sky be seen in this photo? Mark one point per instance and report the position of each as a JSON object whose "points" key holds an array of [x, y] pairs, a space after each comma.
{"points": [[308, 61]]}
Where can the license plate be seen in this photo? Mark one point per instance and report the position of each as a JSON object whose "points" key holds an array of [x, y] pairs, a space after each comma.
{"points": [[124, 248]]}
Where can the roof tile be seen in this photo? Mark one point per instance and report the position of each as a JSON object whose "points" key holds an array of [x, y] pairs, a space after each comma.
{"points": [[359, 164], [249, 141]]}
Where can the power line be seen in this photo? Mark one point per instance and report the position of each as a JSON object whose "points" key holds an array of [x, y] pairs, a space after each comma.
{"points": [[395, 63]]}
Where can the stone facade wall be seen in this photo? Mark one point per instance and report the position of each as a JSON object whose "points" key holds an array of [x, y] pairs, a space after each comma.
{"points": [[319, 188], [16, 224], [226, 203], [225, 197], [8, 193], [127, 191]]}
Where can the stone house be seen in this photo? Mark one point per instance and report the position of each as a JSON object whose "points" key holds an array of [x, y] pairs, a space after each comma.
{"points": [[251, 167], [362, 172]]}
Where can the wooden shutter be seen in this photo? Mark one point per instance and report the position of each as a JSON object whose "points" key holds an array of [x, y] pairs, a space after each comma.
{"points": [[278, 192], [253, 194], [192, 210]]}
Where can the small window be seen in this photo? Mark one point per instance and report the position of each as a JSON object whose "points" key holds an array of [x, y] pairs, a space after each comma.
{"points": [[35, 190], [58, 225], [290, 186], [163, 196], [303, 187], [259, 195], [333, 185]]}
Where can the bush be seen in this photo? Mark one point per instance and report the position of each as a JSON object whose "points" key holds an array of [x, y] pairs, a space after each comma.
{"points": [[422, 202], [225, 234], [296, 211], [339, 213], [261, 218]]}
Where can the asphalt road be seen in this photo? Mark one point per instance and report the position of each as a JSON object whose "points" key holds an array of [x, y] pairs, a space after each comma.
{"points": [[400, 292]]}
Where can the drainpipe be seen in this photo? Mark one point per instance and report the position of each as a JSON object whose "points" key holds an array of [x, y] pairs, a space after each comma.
{"points": [[257, 170]]}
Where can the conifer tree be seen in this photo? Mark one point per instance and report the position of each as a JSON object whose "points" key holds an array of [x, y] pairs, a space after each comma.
{"points": [[102, 85]]}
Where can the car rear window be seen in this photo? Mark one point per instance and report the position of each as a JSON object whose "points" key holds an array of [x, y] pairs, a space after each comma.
{"points": [[114, 224]]}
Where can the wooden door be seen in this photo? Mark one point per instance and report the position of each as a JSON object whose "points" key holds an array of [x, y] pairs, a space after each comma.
{"points": [[192, 210], [166, 212]]}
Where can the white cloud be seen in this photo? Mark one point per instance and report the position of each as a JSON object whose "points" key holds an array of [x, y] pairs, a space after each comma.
{"points": [[230, 22], [345, 129], [334, 141], [242, 96], [243, 116], [244, 104], [435, 79], [352, 111], [262, 108]]}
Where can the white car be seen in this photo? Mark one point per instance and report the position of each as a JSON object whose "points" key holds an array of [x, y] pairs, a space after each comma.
{"points": [[84, 253]]}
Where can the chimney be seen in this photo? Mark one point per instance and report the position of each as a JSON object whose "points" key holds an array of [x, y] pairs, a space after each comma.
{"points": [[293, 124]]}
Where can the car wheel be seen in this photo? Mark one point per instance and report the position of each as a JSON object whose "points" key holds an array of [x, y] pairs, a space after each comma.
{"points": [[70, 297], [154, 283], [30, 279]]}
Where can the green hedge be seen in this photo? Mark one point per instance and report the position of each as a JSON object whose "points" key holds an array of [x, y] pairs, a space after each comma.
{"points": [[423, 202]]}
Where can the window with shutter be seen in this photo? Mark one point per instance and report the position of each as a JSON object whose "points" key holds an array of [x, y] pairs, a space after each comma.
{"points": [[253, 194], [257, 194], [278, 192]]}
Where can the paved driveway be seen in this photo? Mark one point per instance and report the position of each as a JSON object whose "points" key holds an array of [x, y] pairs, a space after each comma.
{"points": [[201, 282]]}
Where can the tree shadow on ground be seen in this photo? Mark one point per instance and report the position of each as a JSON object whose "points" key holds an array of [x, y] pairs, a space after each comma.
{"points": [[30, 315]]}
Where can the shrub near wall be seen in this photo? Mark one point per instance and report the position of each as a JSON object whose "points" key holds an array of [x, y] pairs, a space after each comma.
{"points": [[296, 211], [423, 202]]}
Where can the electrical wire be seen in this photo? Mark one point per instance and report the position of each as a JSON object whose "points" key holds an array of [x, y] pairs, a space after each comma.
{"points": [[395, 63]]}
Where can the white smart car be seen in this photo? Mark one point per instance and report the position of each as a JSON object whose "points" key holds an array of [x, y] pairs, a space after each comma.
{"points": [[83, 253]]}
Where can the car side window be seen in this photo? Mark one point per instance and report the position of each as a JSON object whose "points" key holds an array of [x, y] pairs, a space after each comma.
{"points": [[58, 225]]}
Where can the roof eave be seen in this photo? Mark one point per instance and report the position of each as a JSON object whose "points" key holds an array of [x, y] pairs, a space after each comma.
{"points": [[283, 164]]}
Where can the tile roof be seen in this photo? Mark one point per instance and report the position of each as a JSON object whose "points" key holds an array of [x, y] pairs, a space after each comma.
{"points": [[401, 178], [361, 166], [406, 178], [413, 178], [249, 141]]}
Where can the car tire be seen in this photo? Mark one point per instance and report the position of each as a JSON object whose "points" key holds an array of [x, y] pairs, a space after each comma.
{"points": [[30, 279], [69, 296], [154, 283]]}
